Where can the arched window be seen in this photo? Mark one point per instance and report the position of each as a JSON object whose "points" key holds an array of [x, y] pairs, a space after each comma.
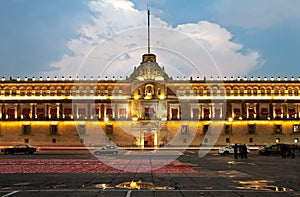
{"points": [[227, 91], [22, 91], [242, 93], [290, 92], [296, 92], [276, 91], [6, 91], [282, 93], [249, 91], [255, 91], [235, 91], [37, 91], [44, 91], [263, 91], [14, 91], [29, 91], [52, 91], [269, 91]]}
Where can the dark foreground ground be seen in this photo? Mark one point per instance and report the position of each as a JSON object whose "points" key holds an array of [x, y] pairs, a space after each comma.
{"points": [[78, 173]]}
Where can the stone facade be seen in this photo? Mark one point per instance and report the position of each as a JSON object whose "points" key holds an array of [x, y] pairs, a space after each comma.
{"points": [[149, 109]]}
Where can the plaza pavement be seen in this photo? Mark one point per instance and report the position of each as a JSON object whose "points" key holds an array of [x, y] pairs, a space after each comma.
{"points": [[81, 174]]}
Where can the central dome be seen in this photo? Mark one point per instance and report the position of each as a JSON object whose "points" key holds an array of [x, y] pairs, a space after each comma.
{"points": [[149, 70]]}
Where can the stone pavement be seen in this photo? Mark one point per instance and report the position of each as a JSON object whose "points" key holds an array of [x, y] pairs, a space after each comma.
{"points": [[212, 175]]}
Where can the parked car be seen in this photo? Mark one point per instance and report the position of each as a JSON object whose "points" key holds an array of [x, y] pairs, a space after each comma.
{"points": [[227, 150], [19, 148], [275, 149], [107, 150]]}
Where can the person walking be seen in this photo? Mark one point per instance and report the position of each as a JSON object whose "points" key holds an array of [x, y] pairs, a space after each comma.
{"points": [[235, 151]]}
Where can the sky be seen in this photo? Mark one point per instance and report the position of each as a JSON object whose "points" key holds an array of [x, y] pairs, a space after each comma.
{"points": [[190, 38]]}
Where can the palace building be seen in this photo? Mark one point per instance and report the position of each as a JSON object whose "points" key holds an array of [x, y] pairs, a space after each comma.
{"points": [[150, 109]]}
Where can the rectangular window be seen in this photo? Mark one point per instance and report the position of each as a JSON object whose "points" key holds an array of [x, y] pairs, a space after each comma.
{"points": [[53, 130], [296, 128], [227, 140], [278, 129], [26, 140], [228, 129], [251, 129], [53, 140], [26, 130]]}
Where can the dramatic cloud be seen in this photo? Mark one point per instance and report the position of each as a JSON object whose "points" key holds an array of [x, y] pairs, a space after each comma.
{"points": [[114, 43]]}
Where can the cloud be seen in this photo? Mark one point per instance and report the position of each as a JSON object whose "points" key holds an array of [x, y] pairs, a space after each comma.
{"points": [[256, 13], [115, 41]]}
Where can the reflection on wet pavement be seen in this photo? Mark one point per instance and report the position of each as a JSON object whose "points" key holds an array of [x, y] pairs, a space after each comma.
{"points": [[132, 185], [240, 162], [261, 185]]}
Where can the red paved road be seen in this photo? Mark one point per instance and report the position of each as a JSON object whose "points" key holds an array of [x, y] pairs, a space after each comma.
{"points": [[91, 166]]}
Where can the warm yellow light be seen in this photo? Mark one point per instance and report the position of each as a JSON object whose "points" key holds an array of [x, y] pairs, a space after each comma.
{"points": [[164, 119], [136, 97], [135, 118], [161, 97], [106, 119], [230, 119]]}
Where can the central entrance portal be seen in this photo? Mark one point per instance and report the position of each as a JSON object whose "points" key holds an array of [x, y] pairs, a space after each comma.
{"points": [[149, 139]]}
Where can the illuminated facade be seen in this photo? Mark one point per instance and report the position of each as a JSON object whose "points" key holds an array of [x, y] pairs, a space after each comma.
{"points": [[150, 109]]}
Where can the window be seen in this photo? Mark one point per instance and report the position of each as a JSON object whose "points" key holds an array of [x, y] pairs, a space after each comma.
{"points": [[277, 140], [14, 92], [227, 92], [7, 92], [262, 92], [269, 91], [222, 91], [26, 130], [241, 92], [277, 129], [235, 92], [208, 92], [53, 130], [296, 128], [227, 140], [251, 128], [228, 129], [255, 92], [249, 92], [26, 140], [53, 140]]}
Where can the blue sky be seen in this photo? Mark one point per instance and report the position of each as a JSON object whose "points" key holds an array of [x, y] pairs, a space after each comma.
{"points": [[48, 37]]}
